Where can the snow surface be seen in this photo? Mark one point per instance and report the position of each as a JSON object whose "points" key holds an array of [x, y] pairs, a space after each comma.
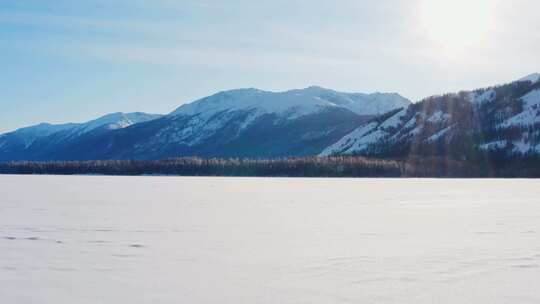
{"points": [[416, 131], [494, 145], [395, 120], [522, 147], [439, 134], [411, 123], [367, 135], [535, 77], [530, 114], [354, 141], [483, 96], [295, 103], [438, 117], [199, 128], [168, 240]]}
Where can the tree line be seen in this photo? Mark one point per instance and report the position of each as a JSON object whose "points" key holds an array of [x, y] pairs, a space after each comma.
{"points": [[337, 166], [193, 166]]}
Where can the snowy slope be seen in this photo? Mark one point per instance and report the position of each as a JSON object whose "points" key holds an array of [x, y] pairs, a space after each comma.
{"points": [[243, 109], [502, 118], [530, 114], [535, 77]]}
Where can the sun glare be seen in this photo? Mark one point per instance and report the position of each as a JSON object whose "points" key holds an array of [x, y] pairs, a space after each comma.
{"points": [[457, 24]]}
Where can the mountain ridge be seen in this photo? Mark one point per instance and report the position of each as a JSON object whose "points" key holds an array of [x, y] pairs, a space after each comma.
{"points": [[14, 142], [241, 122], [502, 120], [278, 102]]}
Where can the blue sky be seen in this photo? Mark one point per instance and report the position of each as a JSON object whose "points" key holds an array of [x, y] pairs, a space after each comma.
{"points": [[65, 60]]}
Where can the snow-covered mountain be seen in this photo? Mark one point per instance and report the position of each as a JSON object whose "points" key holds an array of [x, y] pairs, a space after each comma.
{"points": [[239, 111], [23, 142], [293, 103], [236, 123], [502, 120]]}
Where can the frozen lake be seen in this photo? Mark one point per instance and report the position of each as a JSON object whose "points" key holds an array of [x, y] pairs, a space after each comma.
{"points": [[233, 240]]}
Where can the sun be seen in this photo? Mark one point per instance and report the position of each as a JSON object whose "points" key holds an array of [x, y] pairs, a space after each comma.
{"points": [[457, 24]]}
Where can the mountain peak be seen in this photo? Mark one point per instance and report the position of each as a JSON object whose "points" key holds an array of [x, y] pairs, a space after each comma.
{"points": [[118, 120], [316, 88], [297, 102]]}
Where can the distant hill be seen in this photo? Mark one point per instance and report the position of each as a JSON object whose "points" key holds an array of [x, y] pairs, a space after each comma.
{"points": [[44, 141]]}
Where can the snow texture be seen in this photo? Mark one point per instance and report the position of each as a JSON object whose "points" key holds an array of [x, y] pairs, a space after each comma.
{"points": [[355, 141], [482, 96], [439, 134], [438, 117], [532, 78], [522, 147], [494, 145], [171, 240], [411, 123], [530, 114], [395, 120]]}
